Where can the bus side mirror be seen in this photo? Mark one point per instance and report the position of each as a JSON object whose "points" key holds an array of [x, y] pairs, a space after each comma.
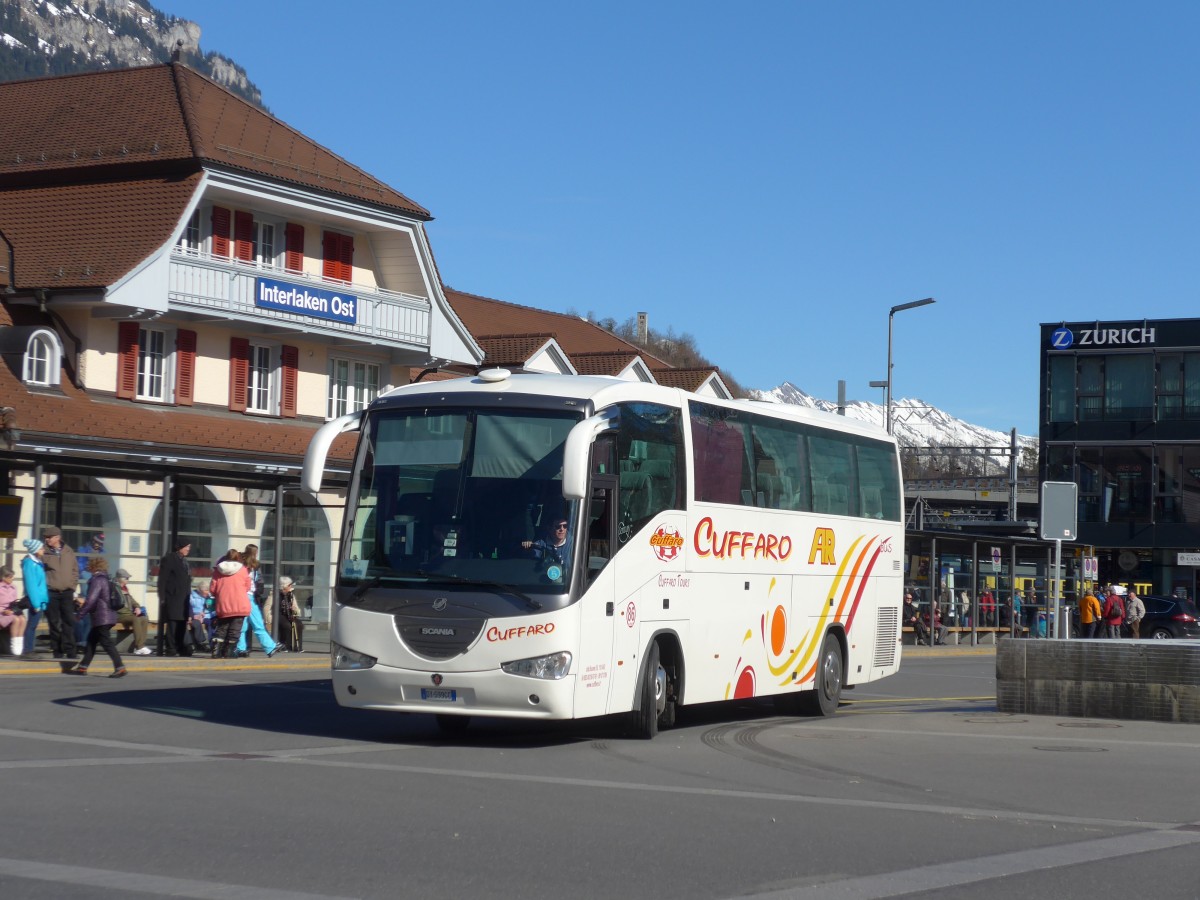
{"points": [[318, 448], [577, 451]]}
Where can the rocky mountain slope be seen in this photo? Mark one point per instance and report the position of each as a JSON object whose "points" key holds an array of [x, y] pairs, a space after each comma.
{"points": [[40, 37]]}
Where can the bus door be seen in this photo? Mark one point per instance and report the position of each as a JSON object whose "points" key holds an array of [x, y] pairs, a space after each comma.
{"points": [[598, 616]]}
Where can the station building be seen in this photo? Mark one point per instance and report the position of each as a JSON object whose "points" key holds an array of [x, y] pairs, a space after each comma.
{"points": [[1120, 417], [189, 288]]}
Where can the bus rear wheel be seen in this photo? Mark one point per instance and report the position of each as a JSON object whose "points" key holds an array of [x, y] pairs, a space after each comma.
{"points": [[827, 693]]}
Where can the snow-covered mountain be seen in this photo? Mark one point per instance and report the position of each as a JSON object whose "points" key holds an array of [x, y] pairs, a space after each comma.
{"points": [[915, 424]]}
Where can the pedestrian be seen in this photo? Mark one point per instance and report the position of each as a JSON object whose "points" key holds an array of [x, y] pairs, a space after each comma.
{"points": [[1113, 613], [33, 577], [935, 627], [912, 619], [230, 589], [104, 617], [82, 554], [987, 609], [1089, 614], [291, 625], [258, 594], [132, 615], [62, 577], [196, 603], [10, 618], [202, 605], [1135, 611], [174, 595]]}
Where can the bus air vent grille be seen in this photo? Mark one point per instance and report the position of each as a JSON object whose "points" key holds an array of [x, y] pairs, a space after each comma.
{"points": [[886, 633], [443, 637]]}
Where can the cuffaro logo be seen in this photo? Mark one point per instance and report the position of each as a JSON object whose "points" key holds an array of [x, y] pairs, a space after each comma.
{"points": [[305, 300], [1063, 338]]}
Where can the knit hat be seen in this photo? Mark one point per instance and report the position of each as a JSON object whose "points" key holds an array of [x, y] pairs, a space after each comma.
{"points": [[181, 542], [32, 545], [121, 573], [285, 582], [50, 531]]}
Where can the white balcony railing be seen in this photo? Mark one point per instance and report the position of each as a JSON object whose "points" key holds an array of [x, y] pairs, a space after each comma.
{"points": [[225, 286]]}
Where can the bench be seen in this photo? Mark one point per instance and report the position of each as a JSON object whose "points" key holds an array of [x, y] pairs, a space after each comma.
{"points": [[956, 634]]}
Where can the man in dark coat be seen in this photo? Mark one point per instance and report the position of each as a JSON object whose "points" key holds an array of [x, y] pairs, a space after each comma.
{"points": [[174, 596]]}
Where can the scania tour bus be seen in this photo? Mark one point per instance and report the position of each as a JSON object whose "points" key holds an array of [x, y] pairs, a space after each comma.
{"points": [[556, 547]]}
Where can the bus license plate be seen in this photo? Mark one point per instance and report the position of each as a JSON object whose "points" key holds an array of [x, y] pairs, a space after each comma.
{"points": [[440, 696]]}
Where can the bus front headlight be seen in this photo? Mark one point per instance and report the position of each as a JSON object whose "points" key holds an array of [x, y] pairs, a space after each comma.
{"points": [[345, 658], [550, 667]]}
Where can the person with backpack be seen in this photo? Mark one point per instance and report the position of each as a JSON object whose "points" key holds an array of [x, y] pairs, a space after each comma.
{"points": [[1113, 613], [1135, 611], [101, 597]]}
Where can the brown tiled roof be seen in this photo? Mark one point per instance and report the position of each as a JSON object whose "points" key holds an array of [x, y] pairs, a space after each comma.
{"points": [[510, 349], [689, 379], [160, 114], [602, 363], [90, 234], [483, 316], [65, 416]]}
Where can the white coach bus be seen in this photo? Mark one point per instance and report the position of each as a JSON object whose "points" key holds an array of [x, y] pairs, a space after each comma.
{"points": [[557, 547]]}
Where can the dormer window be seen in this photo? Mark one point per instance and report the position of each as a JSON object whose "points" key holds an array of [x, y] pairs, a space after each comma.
{"points": [[43, 359]]}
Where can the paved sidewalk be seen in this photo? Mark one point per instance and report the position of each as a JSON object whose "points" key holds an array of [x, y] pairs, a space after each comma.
{"points": [[101, 666]]}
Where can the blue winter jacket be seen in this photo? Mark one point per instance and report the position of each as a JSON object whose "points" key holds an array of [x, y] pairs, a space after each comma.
{"points": [[33, 573]]}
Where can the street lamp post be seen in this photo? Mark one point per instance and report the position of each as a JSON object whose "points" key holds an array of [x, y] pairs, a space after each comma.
{"points": [[891, 314], [882, 384]]}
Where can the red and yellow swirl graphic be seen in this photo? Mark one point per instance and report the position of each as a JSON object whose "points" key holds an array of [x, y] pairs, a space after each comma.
{"points": [[839, 604]]}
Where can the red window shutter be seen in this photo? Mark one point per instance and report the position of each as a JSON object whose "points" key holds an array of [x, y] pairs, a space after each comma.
{"points": [[290, 357], [294, 256], [329, 254], [346, 258], [239, 373], [338, 254], [185, 366], [220, 231], [243, 236], [127, 359]]}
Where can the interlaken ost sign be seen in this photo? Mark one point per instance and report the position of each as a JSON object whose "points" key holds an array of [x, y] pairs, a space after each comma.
{"points": [[306, 300]]}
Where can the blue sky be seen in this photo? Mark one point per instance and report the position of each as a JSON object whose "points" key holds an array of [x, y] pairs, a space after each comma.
{"points": [[772, 177]]}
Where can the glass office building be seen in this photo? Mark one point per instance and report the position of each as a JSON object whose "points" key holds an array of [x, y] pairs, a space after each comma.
{"points": [[1120, 417]]}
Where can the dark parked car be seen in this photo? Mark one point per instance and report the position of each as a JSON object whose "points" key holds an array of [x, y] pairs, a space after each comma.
{"points": [[1169, 617]]}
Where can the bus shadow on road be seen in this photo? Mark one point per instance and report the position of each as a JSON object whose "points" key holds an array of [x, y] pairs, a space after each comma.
{"points": [[306, 708]]}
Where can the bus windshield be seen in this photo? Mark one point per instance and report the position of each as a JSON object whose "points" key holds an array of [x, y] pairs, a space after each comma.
{"points": [[462, 496]]}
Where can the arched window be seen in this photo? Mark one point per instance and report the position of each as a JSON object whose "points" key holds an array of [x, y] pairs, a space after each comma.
{"points": [[43, 358], [306, 554], [201, 518]]}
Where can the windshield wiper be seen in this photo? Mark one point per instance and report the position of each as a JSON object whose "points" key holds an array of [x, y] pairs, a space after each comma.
{"points": [[362, 589], [494, 585]]}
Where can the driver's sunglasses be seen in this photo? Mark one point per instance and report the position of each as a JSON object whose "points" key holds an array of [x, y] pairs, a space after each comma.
{"points": [[560, 526]]}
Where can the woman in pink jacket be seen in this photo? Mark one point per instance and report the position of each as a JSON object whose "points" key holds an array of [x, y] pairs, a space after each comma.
{"points": [[231, 592]]}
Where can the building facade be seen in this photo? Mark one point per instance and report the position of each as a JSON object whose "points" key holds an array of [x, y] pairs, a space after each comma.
{"points": [[190, 288], [1120, 417]]}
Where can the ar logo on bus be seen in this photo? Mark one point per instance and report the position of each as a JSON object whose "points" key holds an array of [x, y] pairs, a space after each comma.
{"points": [[666, 543]]}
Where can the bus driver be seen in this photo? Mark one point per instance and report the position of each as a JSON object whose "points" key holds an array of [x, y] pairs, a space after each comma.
{"points": [[555, 547]]}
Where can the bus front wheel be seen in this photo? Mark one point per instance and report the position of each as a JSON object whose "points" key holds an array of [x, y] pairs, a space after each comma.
{"points": [[654, 707], [827, 693]]}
